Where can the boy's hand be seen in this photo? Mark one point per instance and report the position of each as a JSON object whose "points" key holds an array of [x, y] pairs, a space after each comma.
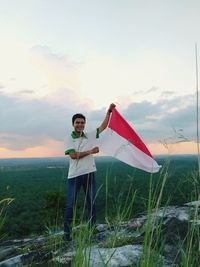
{"points": [[95, 150], [111, 107]]}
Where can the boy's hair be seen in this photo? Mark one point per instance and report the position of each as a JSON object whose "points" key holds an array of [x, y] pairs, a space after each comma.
{"points": [[77, 115]]}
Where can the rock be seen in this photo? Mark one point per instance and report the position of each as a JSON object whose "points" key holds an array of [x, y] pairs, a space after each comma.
{"points": [[172, 254], [114, 257], [36, 256], [6, 252], [135, 223], [12, 262], [32, 246], [24, 259], [65, 259], [193, 203], [101, 228], [117, 245], [99, 257]]}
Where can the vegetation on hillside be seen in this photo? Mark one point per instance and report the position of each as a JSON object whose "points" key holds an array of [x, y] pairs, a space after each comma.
{"points": [[38, 187]]}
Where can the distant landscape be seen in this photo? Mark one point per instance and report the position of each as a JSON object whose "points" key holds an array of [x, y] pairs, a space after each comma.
{"points": [[38, 186]]}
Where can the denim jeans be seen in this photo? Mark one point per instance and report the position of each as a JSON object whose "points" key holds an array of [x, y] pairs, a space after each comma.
{"points": [[87, 181]]}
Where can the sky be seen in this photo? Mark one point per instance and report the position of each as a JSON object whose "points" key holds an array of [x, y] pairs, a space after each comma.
{"points": [[61, 57]]}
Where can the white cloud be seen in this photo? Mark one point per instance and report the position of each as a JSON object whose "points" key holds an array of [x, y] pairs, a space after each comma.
{"points": [[31, 123], [60, 71], [1, 86]]}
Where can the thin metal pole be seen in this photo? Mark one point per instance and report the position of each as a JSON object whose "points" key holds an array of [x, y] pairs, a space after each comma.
{"points": [[197, 107]]}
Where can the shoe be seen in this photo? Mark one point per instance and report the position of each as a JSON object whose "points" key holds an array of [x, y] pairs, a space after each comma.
{"points": [[68, 238]]}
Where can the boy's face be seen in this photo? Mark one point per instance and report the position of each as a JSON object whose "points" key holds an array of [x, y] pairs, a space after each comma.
{"points": [[79, 125]]}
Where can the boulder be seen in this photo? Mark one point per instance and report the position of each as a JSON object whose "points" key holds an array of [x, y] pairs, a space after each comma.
{"points": [[121, 244]]}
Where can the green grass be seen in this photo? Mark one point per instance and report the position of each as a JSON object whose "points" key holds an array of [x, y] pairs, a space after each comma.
{"points": [[4, 203], [121, 195], [40, 191]]}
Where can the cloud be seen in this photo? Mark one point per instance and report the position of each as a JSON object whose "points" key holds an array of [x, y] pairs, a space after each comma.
{"points": [[138, 112], [59, 69], [167, 93], [172, 119], [61, 77], [29, 123], [152, 90], [1, 86], [26, 91], [13, 79], [31, 117], [164, 119], [42, 73], [32, 123]]}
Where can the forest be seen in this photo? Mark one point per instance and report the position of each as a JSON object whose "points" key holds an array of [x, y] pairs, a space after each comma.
{"points": [[38, 188]]}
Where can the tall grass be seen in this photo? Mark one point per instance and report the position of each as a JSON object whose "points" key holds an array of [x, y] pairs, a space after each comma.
{"points": [[191, 244], [153, 245], [4, 203], [123, 207], [152, 240], [189, 248]]}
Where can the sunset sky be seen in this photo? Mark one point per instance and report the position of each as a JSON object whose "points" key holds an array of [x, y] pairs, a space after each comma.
{"points": [[61, 57]]}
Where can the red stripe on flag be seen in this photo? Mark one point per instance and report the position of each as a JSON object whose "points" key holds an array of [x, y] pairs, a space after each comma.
{"points": [[119, 125]]}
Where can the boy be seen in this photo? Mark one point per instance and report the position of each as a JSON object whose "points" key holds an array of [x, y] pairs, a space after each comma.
{"points": [[80, 147]]}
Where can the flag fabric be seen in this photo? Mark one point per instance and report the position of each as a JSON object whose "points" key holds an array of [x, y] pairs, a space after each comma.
{"points": [[119, 140]]}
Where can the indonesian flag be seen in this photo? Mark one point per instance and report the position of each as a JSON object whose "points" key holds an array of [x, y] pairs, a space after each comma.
{"points": [[122, 142]]}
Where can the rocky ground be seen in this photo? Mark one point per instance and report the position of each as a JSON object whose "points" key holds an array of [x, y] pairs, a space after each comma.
{"points": [[120, 244]]}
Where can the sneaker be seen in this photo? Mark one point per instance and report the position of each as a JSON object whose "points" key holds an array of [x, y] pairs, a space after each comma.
{"points": [[68, 238]]}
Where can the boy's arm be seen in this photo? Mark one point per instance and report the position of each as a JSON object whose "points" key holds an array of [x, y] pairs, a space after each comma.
{"points": [[106, 120], [79, 155]]}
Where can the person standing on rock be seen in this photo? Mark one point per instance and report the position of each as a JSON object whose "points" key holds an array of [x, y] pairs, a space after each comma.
{"points": [[80, 147]]}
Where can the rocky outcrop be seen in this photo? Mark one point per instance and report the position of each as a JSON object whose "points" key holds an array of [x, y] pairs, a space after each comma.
{"points": [[159, 236], [14, 253]]}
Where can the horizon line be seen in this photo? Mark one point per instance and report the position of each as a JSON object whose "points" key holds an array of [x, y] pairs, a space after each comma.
{"points": [[102, 156]]}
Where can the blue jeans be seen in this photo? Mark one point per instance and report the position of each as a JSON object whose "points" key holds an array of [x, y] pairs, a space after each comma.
{"points": [[87, 181]]}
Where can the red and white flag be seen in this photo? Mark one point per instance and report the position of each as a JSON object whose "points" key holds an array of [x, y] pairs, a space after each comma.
{"points": [[122, 142]]}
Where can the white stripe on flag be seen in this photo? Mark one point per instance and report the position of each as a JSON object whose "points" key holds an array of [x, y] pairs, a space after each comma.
{"points": [[112, 144]]}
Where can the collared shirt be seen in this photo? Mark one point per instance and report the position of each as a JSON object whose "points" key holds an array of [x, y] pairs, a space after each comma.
{"points": [[85, 142]]}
